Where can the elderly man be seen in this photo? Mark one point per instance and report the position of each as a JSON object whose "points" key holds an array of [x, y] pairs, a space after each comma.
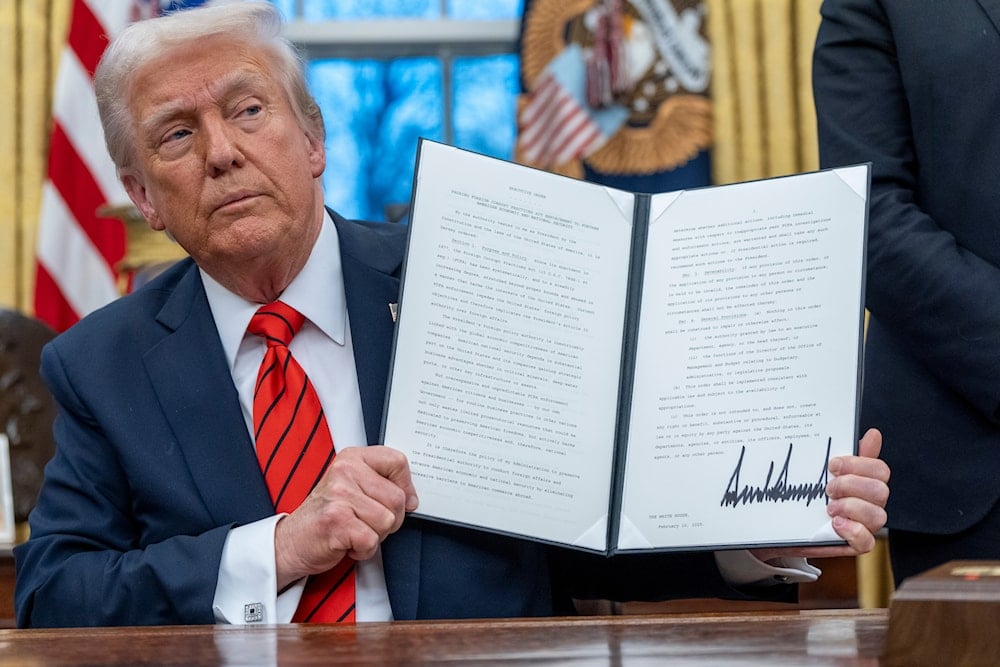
{"points": [[188, 486]]}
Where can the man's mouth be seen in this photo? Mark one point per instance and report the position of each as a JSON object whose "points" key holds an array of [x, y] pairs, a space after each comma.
{"points": [[235, 199]]}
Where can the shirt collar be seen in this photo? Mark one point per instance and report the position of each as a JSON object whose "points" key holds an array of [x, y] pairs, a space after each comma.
{"points": [[317, 292]]}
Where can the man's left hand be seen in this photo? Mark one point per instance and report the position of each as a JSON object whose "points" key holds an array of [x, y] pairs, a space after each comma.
{"points": [[858, 493]]}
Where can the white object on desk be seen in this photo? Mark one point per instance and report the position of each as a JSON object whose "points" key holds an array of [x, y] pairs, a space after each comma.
{"points": [[6, 494]]}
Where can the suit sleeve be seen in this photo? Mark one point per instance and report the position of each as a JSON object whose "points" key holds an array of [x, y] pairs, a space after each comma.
{"points": [[91, 559], [938, 297]]}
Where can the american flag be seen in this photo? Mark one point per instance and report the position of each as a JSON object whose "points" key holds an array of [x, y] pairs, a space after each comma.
{"points": [[78, 249], [557, 124]]}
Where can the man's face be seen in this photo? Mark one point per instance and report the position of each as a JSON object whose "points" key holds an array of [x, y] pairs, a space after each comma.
{"points": [[222, 163]]}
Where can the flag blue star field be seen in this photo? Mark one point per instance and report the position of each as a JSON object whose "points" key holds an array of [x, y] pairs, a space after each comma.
{"points": [[616, 92]]}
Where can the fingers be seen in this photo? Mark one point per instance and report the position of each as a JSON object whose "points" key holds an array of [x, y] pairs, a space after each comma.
{"points": [[868, 513], [870, 444], [375, 503], [869, 487], [860, 539], [866, 463], [368, 491], [857, 510], [393, 466], [858, 493], [859, 488], [858, 536], [362, 498]]}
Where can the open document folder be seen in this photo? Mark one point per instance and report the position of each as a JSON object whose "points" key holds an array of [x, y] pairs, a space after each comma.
{"points": [[618, 372]]}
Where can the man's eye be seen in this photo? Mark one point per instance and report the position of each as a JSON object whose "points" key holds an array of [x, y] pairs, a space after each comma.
{"points": [[176, 135], [253, 109]]}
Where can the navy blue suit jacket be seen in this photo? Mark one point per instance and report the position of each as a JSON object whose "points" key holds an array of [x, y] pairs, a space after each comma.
{"points": [[154, 466], [913, 88]]}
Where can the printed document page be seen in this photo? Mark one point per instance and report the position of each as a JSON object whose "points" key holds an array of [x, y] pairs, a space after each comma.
{"points": [[747, 361], [506, 371]]}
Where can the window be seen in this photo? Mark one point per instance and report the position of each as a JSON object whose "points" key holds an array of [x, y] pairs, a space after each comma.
{"points": [[386, 72]]}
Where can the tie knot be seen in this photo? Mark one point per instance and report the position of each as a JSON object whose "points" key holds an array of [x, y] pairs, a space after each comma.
{"points": [[276, 322]]}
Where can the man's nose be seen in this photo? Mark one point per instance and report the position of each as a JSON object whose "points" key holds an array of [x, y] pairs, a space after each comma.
{"points": [[222, 151]]}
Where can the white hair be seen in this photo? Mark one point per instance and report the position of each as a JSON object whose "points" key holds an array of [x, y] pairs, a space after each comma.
{"points": [[256, 23]]}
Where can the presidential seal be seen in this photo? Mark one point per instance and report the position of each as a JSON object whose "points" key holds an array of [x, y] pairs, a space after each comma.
{"points": [[620, 85]]}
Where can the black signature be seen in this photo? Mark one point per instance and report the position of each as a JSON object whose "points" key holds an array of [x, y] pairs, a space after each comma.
{"points": [[779, 490]]}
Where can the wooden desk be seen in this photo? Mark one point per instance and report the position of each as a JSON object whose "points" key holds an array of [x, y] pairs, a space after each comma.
{"points": [[835, 637]]}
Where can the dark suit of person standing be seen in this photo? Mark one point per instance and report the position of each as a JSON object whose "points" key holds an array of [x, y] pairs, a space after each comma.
{"points": [[914, 87]]}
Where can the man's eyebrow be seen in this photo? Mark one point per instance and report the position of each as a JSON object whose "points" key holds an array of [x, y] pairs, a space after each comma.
{"points": [[165, 113], [232, 83], [237, 82]]}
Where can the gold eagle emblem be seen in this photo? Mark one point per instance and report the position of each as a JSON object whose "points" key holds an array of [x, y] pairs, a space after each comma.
{"points": [[665, 68]]}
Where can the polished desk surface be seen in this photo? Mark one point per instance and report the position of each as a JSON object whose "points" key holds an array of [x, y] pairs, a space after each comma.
{"points": [[828, 637]]}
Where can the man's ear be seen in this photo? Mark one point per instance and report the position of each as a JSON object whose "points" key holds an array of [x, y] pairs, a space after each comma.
{"points": [[136, 189], [317, 156]]}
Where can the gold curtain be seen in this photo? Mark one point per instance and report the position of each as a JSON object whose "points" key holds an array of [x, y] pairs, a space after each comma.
{"points": [[765, 122], [765, 125], [32, 33]]}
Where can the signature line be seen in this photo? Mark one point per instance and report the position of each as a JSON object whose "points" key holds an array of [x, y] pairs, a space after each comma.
{"points": [[779, 490]]}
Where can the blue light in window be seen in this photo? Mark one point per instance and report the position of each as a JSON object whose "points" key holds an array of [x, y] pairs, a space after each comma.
{"points": [[374, 113], [482, 11], [485, 90], [375, 110], [323, 10]]}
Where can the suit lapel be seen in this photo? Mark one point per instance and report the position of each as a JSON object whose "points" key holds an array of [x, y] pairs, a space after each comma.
{"points": [[188, 368], [369, 261], [992, 9]]}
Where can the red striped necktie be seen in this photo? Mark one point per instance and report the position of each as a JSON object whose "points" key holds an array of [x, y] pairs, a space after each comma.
{"points": [[294, 448]]}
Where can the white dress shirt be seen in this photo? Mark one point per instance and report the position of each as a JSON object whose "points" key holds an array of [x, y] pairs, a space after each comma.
{"points": [[323, 348]]}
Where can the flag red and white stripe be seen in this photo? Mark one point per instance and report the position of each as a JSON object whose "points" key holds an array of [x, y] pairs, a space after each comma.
{"points": [[77, 249], [557, 124], [554, 127]]}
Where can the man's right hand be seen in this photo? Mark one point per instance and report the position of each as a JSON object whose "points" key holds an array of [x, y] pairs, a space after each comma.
{"points": [[362, 498]]}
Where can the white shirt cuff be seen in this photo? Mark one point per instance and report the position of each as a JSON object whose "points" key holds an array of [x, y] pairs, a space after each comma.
{"points": [[247, 588], [740, 568]]}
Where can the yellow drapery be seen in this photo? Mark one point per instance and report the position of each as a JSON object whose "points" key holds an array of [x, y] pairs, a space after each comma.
{"points": [[32, 33], [765, 122]]}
